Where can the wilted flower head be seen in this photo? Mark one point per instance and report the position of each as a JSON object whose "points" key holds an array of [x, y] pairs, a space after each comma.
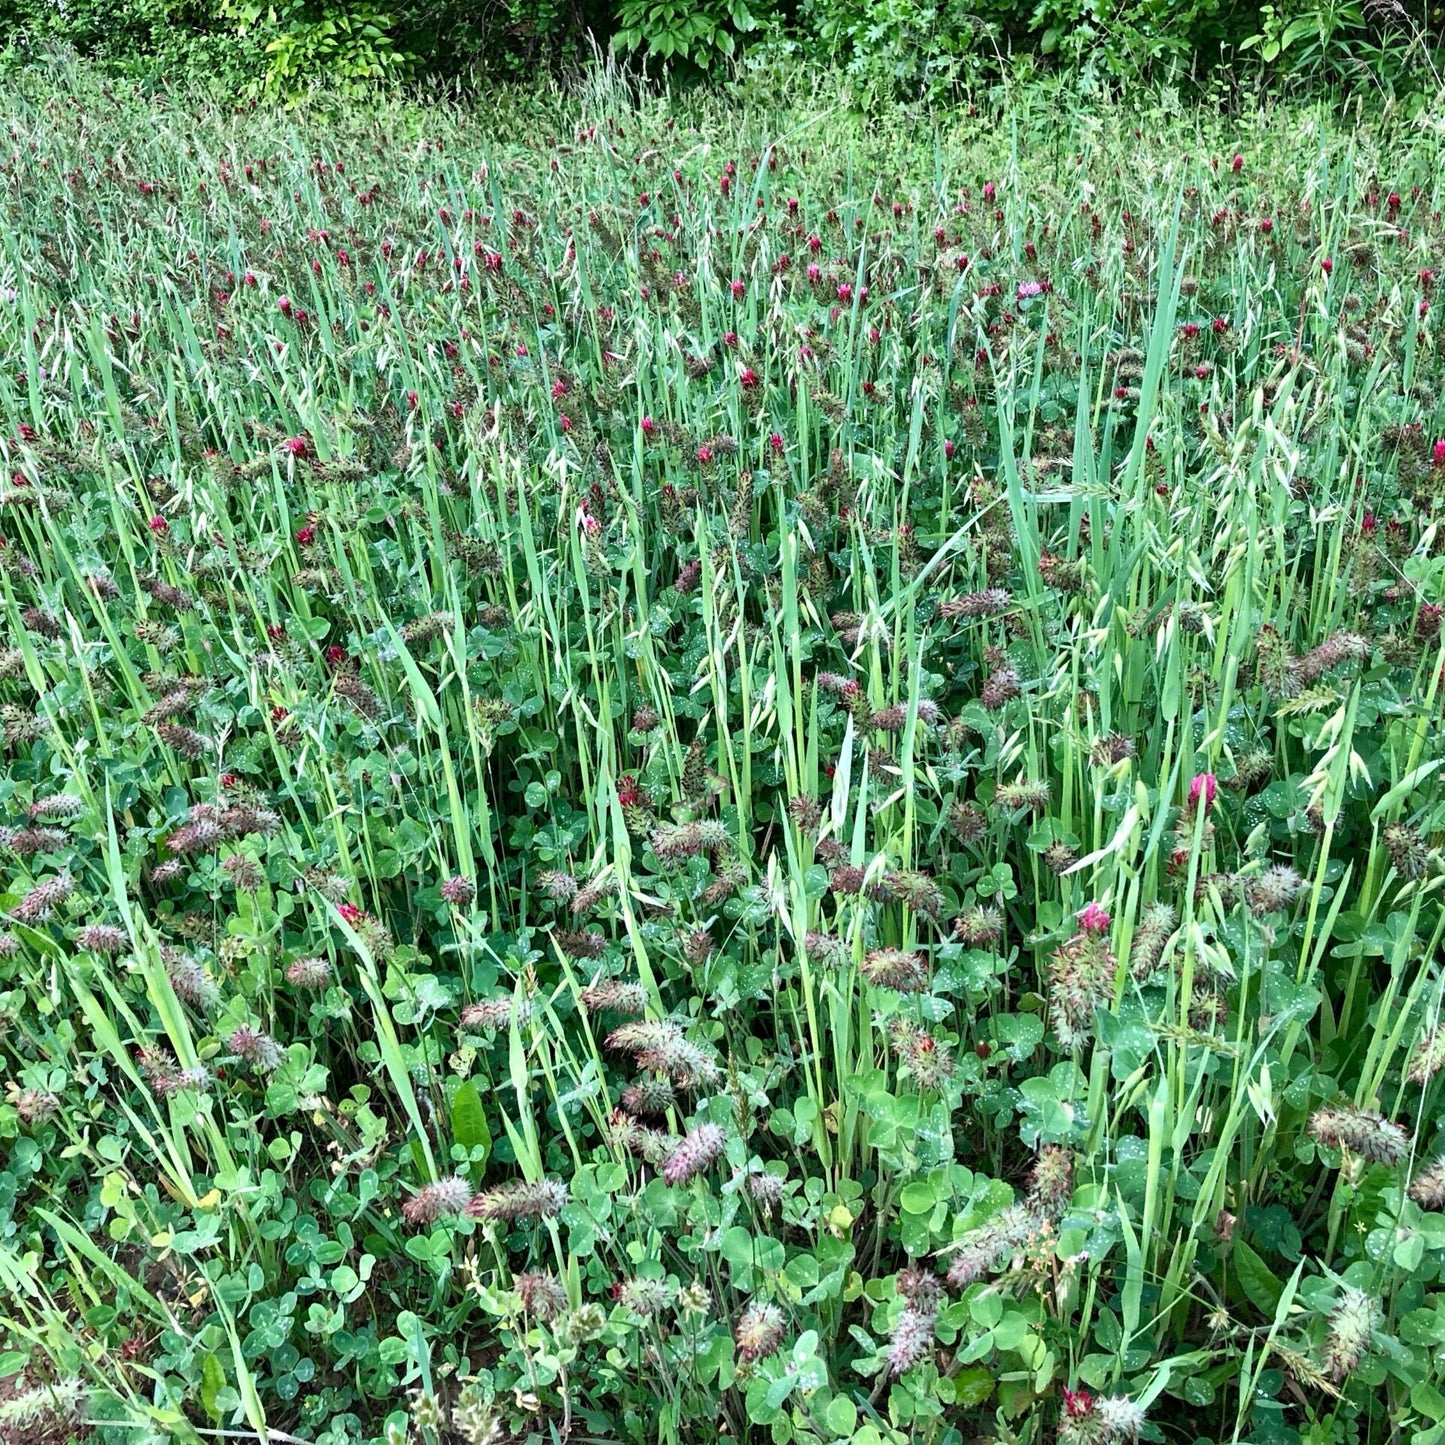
{"points": [[458, 891], [697, 1151], [519, 1199], [1368, 1135], [895, 968], [44, 898], [1119, 1417], [614, 995], [253, 1047], [102, 938], [759, 1331], [310, 972], [1427, 1188], [441, 1199], [542, 1294], [646, 1297], [1352, 1321], [1273, 890]]}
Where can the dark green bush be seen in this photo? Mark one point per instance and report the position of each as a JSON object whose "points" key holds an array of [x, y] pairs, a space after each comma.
{"points": [[925, 49]]}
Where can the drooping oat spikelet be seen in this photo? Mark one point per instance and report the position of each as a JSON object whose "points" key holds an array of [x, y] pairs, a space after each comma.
{"points": [[1368, 1135], [519, 1199], [1352, 1321], [441, 1199], [759, 1331]]}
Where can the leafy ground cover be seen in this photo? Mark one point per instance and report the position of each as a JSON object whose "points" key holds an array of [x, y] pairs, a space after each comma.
{"points": [[679, 771]]}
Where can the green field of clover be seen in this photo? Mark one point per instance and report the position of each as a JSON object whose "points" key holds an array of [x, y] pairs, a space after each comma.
{"points": [[682, 769]]}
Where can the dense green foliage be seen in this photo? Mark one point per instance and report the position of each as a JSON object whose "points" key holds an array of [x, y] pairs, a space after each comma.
{"points": [[916, 48], [679, 771]]}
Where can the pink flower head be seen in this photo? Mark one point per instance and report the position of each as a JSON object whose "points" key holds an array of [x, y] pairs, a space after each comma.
{"points": [[845, 292], [989, 191], [1439, 453], [814, 271], [335, 655], [1237, 164], [306, 535], [704, 455], [649, 427], [1093, 919], [1327, 265], [1205, 786], [748, 377], [284, 305], [159, 525], [1029, 289], [948, 450], [1078, 1403], [776, 441], [297, 447], [739, 290], [350, 912]]}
